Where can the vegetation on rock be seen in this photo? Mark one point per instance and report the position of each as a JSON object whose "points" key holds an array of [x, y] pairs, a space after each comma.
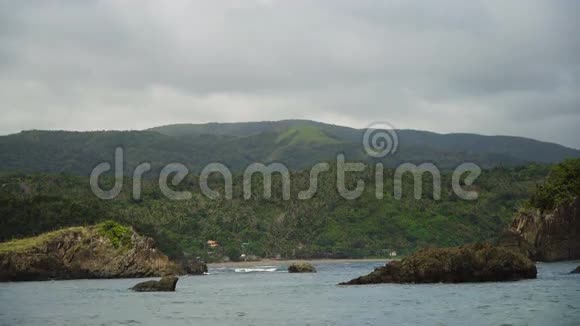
{"points": [[301, 267], [479, 262], [22, 245], [547, 228], [561, 187], [119, 235], [81, 252]]}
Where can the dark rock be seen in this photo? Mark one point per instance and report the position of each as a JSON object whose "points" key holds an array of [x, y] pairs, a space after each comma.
{"points": [[514, 241], [469, 263], [301, 267], [576, 271], [546, 236], [166, 284], [194, 267]]}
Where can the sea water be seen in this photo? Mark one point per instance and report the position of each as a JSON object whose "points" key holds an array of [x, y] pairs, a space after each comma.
{"points": [[268, 295]]}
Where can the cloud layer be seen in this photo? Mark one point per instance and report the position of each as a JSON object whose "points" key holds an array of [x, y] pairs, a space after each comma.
{"points": [[491, 67]]}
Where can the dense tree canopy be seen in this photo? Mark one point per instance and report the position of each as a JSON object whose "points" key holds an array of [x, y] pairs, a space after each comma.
{"points": [[562, 185], [325, 226]]}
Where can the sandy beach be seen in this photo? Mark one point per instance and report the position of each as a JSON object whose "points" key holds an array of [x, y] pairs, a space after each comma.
{"points": [[272, 262]]}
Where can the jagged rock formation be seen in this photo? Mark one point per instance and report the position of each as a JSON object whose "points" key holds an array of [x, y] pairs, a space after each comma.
{"points": [[301, 267], [469, 263], [546, 236], [166, 284], [101, 251]]}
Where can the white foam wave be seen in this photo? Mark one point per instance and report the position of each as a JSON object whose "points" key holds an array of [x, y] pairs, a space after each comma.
{"points": [[255, 270]]}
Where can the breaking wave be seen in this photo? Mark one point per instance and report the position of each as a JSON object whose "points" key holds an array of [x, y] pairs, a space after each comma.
{"points": [[257, 269]]}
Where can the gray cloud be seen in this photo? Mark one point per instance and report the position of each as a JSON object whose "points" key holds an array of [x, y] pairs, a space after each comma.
{"points": [[491, 67]]}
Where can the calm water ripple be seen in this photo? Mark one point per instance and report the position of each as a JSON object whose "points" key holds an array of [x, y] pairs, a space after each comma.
{"points": [[254, 297]]}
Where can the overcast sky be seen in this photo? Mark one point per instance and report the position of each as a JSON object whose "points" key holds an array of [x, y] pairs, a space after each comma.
{"points": [[490, 67]]}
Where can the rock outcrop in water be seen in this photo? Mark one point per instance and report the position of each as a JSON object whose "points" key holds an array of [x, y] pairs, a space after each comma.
{"points": [[301, 267], [194, 267], [549, 236], [469, 263], [576, 270], [166, 284], [106, 250]]}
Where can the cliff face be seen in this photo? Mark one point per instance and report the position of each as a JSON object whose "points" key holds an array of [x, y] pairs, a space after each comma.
{"points": [[83, 252], [549, 236]]}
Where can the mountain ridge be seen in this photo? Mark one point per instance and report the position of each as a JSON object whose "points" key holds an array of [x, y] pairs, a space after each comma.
{"points": [[313, 122], [297, 143]]}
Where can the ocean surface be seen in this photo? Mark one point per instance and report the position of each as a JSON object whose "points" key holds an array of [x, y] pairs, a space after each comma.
{"points": [[268, 295]]}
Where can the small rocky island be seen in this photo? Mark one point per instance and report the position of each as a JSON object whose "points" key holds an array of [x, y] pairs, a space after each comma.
{"points": [[479, 262], [165, 284], [107, 250], [193, 267], [301, 267]]}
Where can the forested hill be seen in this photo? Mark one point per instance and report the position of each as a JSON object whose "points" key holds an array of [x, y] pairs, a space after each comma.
{"points": [[502, 147], [325, 226], [297, 143]]}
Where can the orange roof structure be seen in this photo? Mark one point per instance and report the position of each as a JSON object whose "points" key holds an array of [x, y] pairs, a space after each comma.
{"points": [[213, 243]]}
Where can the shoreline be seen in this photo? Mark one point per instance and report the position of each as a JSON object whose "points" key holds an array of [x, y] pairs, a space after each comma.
{"points": [[272, 262]]}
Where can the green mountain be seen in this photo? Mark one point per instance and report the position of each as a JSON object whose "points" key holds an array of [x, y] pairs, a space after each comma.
{"points": [[305, 135], [297, 143], [44, 186]]}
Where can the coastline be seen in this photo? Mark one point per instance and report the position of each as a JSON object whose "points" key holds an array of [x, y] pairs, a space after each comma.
{"points": [[272, 262]]}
